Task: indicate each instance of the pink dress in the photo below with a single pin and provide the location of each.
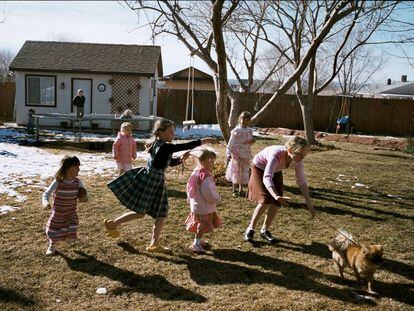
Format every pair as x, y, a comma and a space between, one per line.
203, 197
239, 148
124, 151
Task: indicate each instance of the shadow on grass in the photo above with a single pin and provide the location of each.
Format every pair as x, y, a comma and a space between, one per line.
398, 267
128, 248
315, 249
155, 285
347, 199
293, 276
10, 295
177, 194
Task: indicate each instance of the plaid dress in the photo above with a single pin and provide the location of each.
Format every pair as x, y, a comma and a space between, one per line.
143, 189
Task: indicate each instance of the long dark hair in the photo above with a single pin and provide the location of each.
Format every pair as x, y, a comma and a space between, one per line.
160, 125
66, 163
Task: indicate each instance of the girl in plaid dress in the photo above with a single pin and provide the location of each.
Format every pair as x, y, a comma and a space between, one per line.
143, 190
66, 191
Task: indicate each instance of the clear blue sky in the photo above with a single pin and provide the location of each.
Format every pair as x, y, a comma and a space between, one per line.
110, 22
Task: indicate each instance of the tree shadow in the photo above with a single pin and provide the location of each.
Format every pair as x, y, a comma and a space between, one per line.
335, 211
395, 156
398, 267
347, 199
128, 248
177, 194
206, 271
155, 285
10, 295
315, 249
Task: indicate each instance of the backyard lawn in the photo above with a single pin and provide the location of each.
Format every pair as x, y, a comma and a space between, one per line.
368, 192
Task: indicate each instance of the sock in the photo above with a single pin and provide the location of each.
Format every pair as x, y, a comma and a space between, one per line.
197, 241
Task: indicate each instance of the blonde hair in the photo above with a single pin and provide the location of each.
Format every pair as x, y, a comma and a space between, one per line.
126, 126
297, 143
203, 153
245, 115
65, 164
159, 125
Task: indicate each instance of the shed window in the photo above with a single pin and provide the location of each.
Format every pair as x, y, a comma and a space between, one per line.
40, 91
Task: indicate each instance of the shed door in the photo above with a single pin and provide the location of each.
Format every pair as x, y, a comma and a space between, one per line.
86, 86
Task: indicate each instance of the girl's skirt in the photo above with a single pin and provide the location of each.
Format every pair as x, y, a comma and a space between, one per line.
143, 191
257, 190
202, 223
238, 171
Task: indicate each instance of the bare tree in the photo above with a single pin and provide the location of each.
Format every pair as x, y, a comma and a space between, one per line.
6, 57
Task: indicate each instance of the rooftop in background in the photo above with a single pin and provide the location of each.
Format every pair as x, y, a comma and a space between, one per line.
88, 57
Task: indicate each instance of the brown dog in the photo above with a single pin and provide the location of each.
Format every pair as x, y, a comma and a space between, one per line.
363, 260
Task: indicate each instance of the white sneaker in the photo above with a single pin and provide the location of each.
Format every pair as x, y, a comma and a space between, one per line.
51, 250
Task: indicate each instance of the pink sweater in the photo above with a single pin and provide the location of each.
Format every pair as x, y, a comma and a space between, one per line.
202, 193
124, 148
272, 160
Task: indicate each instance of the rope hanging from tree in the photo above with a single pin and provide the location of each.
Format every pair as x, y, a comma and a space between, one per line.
187, 123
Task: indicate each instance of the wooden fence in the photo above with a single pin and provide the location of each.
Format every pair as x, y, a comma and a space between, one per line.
368, 115
7, 93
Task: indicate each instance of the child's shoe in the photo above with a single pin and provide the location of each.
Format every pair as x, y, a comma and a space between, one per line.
235, 193
198, 249
248, 235
51, 250
265, 234
113, 233
158, 249
242, 193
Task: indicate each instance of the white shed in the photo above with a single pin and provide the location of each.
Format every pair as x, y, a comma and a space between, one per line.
114, 77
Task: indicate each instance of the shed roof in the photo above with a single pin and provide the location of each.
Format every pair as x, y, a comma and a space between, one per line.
88, 57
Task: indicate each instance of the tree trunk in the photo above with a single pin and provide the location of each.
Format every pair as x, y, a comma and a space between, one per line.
234, 109
220, 78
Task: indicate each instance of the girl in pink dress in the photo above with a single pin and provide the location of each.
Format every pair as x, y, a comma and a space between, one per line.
124, 148
66, 191
203, 197
238, 154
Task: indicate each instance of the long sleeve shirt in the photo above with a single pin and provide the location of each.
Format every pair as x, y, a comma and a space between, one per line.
272, 160
202, 192
124, 148
53, 186
163, 151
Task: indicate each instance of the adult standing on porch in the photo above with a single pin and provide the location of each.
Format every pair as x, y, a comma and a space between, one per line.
79, 103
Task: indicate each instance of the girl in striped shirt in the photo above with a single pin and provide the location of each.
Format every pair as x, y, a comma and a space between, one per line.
66, 190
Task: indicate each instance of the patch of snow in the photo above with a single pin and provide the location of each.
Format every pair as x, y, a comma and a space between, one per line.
7, 208
359, 185
394, 196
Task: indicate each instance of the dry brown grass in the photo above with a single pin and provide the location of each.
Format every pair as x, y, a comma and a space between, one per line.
297, 273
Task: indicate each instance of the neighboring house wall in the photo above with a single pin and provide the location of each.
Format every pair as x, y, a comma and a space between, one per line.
183, 85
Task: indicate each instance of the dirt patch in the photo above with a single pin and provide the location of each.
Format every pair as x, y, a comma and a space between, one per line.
379, 142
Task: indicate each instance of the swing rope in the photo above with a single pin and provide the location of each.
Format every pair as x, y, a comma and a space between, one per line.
190, 84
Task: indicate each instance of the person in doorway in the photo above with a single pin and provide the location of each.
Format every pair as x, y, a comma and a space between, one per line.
79, 103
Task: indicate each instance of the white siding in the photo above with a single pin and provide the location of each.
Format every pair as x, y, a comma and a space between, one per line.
100, 100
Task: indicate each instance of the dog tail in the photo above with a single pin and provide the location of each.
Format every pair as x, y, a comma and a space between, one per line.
342, 241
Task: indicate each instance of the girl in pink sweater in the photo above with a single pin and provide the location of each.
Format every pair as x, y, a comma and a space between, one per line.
203, 197
124, 148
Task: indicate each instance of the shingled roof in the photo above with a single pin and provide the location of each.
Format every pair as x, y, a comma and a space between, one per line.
88, 57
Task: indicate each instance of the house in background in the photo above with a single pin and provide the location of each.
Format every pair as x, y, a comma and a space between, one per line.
179, 80
403, 89
114, 77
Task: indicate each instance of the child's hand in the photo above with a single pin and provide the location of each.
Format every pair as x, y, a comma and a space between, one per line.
283, 200
82, 195
185, 156
46, 206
